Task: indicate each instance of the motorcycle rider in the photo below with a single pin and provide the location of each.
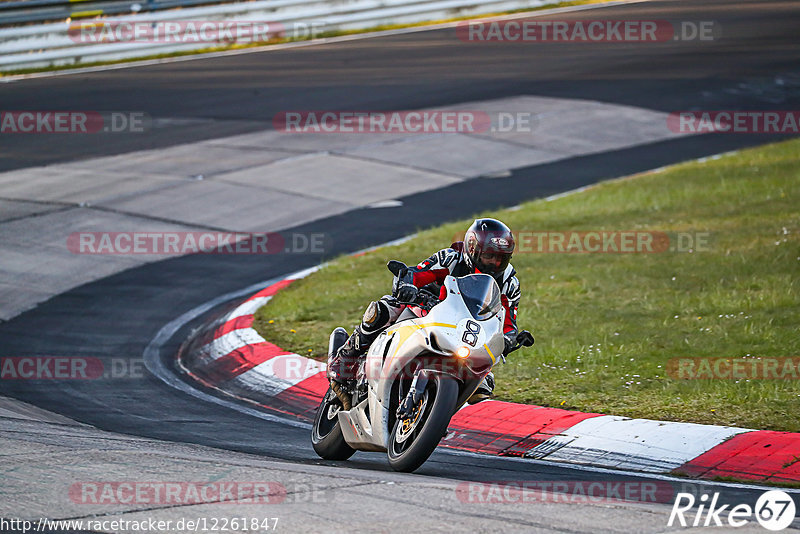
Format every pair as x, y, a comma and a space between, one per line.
487, 248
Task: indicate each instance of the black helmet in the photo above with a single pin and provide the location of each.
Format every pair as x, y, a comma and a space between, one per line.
488, 245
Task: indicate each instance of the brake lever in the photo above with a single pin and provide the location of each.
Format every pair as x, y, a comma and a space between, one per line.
424, 306
417, 304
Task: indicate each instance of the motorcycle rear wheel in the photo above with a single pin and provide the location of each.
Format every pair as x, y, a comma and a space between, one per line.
326, 434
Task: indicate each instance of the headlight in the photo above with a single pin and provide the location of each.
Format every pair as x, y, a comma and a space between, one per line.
462, 352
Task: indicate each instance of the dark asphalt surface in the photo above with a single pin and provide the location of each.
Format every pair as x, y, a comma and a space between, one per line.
116, 317
229, 95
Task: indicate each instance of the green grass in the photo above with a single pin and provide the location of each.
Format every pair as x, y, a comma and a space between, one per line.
323, 35
607, 324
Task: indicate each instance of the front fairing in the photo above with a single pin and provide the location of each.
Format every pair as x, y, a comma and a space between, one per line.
437, 336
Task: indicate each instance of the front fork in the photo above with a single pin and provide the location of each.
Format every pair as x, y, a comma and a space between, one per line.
418, 385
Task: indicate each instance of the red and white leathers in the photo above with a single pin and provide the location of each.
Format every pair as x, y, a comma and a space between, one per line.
452, 261
430, 272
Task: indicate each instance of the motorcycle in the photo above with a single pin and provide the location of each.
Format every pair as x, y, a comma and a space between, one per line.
416, 373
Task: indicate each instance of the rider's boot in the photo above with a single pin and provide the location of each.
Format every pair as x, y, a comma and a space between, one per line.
342, 365
484, 390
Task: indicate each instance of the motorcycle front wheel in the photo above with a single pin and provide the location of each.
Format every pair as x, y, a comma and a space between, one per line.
326, 434
414, 439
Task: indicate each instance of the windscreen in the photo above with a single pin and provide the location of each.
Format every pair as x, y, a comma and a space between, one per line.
481, 295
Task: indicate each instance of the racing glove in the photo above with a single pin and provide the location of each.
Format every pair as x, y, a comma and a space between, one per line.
407, 292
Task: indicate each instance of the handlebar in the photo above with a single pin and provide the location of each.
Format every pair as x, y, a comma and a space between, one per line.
426, 300
399, 269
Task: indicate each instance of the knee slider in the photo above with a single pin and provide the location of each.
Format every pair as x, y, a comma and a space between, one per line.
375, 317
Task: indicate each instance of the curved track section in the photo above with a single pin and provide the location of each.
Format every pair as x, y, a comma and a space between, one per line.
230, 357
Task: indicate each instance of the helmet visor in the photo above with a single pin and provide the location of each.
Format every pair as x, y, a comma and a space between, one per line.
493, 261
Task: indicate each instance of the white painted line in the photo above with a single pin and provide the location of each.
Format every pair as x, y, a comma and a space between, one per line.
305, 272
567, 193
233, 340
392, 203
248, 307
716, 156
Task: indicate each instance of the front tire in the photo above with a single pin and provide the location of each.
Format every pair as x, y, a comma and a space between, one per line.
326, 434
411, 443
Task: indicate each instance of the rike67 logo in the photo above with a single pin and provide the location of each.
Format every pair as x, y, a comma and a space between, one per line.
774, 510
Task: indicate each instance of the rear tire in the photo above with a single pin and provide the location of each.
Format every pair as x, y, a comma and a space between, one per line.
439, 406
326, 434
